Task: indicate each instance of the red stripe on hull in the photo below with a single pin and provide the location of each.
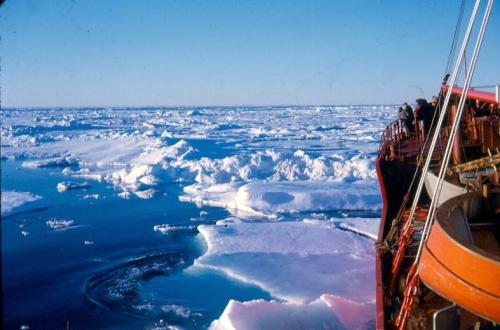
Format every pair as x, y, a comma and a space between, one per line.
379, 283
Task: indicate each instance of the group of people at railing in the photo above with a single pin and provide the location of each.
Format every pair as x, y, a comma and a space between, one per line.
415, 124
420, 117
482, 109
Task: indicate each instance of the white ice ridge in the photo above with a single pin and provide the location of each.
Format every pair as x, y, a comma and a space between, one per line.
139, 165
296, 262
270, 198
14, 199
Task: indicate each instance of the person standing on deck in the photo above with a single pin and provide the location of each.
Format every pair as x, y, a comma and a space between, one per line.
409, 115
429, 109
424, 113
403, 119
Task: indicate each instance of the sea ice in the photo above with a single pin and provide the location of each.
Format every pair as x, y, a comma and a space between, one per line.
14, 199
271, 161
132, 152
322, 275
321, 258
67, 186
327, 312
269, 198
166, 228
363, 226
60, 224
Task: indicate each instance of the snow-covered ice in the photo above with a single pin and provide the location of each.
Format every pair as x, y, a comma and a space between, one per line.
270, 198
14, 199
138, 150
327, 312
316, 270
319, 256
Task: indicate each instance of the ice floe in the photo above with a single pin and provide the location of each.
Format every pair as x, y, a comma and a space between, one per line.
319, 256
67, 186
166, 228
14, 199
327, 312
270, 198
60, 224
321, 274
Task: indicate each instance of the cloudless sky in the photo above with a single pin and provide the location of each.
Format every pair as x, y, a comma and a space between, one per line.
133, 52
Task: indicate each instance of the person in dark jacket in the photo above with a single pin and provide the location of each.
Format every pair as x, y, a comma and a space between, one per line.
428, 117
409, 116
403, 118
424, 113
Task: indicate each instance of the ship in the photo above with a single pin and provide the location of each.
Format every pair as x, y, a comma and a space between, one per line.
438, 246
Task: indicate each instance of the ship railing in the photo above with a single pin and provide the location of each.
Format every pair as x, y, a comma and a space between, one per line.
395, 136
397, 143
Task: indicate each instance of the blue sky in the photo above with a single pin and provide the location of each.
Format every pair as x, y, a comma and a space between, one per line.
133, 53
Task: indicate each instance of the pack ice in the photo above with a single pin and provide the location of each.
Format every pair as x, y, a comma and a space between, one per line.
260, 163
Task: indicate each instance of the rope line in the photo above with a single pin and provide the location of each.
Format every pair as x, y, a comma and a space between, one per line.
451, 55
443, 113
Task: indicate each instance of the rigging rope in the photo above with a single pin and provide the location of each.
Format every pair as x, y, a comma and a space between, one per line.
443, 113
412, 280
454, 129
406, 232
451, 55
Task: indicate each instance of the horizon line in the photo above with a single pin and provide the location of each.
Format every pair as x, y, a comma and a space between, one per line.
193, 106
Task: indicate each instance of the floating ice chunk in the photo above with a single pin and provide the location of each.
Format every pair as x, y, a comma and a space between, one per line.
89, 176
24, 233
93, 196
124, 195
145, 194
166, 228
67, 186
13, 199
181, 311
61, 162
363, 226
88, 242
60, 224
